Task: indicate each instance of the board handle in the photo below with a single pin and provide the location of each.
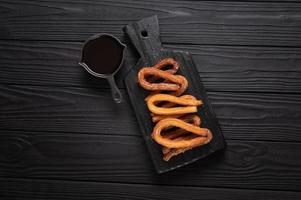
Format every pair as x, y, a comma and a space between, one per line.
145, 36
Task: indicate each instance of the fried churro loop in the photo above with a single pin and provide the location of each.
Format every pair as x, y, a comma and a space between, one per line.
183, 86
180, 134
177, 129
204, 134
165, 63
191, 118
169, 153
176, 81
189, 105
182, 81
157, 118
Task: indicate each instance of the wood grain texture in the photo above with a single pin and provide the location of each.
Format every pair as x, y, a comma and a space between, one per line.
193, 22
54, 189
231, 68
246, 116
51, 63
57, 122
245, 164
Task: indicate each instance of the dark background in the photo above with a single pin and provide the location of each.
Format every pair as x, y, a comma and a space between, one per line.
62, 137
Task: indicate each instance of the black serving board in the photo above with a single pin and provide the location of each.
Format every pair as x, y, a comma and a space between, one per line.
145, 37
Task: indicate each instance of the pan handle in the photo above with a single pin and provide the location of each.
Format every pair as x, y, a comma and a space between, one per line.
116, 94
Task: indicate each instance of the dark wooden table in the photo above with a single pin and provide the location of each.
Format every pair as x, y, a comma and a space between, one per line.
62, 137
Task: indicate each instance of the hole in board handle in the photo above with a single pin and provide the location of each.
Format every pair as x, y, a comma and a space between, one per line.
144, 33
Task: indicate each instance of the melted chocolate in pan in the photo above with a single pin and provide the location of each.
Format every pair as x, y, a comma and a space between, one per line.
103, 55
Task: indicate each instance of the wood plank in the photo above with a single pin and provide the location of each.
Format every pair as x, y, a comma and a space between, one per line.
51, 63
244, 164
231, 68
216, 22
54, 189
240, 68
245, 116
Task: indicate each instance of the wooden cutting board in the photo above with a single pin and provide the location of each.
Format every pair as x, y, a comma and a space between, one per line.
145, 37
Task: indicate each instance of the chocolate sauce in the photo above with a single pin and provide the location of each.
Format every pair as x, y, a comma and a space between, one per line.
103, 55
